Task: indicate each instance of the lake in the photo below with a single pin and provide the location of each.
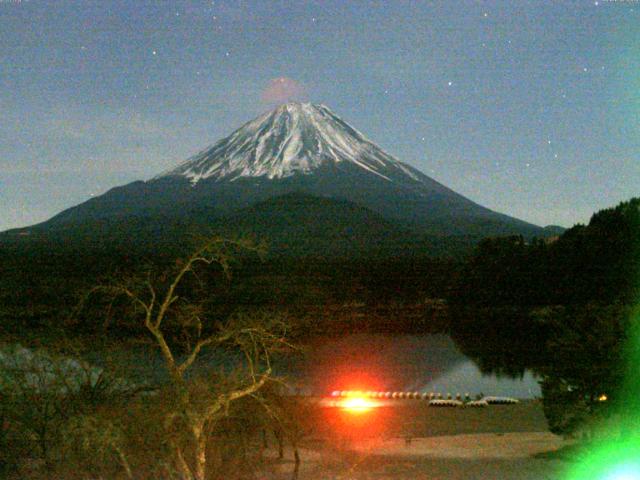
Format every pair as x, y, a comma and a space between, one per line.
380, 362
425, 363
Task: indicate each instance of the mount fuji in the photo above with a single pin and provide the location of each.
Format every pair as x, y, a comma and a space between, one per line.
287, 168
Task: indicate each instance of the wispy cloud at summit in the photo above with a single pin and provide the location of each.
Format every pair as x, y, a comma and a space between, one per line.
283, 89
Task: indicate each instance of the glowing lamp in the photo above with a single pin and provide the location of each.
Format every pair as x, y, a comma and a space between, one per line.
357, 405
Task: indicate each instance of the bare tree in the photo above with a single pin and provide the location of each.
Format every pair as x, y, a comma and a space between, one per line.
168, 312
289, 419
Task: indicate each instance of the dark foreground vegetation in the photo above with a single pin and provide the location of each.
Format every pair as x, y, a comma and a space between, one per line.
66, 418
563, 308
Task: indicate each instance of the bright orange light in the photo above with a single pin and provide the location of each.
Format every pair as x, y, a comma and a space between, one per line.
357, 404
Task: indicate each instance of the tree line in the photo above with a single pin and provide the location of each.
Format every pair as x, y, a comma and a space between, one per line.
563, 308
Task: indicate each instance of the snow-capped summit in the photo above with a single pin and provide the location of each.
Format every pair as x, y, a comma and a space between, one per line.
293, 138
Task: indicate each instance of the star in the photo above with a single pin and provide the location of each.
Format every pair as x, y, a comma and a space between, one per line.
549, 142
527, 165
485, 15
555, 155
585, 69
313, 19
227, 54
449, 83
154, 52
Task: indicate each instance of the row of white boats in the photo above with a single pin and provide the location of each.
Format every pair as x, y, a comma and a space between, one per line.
435, 399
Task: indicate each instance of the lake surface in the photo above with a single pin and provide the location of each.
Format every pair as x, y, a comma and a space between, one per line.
425, 363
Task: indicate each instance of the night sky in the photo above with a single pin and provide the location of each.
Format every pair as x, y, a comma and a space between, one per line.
528, 108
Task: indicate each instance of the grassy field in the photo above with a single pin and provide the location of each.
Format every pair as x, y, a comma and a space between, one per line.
416, 418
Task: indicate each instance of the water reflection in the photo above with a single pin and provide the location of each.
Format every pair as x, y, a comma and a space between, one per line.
378, 362
398, 362
467, 378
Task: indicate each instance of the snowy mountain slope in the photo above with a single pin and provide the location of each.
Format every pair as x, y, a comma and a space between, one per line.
293, 138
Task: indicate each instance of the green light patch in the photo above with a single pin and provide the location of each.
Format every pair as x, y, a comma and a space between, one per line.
617, 460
